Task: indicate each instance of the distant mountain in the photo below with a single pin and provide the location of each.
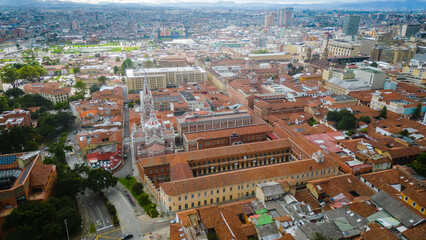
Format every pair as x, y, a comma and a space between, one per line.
376, 5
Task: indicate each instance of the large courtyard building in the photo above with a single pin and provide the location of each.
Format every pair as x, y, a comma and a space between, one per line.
198, 178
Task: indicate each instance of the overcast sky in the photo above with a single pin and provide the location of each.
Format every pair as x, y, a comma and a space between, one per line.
237, 1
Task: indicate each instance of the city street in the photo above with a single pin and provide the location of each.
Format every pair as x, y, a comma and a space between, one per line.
141, 225
98, 213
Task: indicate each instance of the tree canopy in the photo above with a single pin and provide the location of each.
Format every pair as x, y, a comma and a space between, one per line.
344, 119
417, 112
384, 113
420, 164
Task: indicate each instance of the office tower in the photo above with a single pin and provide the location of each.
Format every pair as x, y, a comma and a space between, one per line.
409, 30
288, 16
285, 17
280, 20
350, 25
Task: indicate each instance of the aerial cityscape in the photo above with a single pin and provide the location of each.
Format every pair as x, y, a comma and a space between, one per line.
214, 120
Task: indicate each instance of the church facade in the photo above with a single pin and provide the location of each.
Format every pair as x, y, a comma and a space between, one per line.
151, 138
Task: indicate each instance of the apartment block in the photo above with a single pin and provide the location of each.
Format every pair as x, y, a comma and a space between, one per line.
163, 77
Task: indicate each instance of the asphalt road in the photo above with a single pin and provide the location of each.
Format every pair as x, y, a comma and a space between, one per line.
127, 168
128, 220
97, 211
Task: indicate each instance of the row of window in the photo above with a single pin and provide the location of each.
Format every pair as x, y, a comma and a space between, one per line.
246, 186
239, 158
414, 204
211, 201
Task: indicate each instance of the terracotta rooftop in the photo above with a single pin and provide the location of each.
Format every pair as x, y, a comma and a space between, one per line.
243, 175
228, 132
378, 232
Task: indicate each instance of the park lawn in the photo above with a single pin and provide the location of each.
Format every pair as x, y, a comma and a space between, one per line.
127, 183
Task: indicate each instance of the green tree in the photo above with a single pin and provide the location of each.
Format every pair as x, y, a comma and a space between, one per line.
61, 105
365, 119
137, 188
76, 70
81, 86
94, 88
9, 74
417, 112
99, 179
347, 123
420, 164
28, 72
404, 133
117, 59
116, 70
4, 106
43, 220
14, 92
319, 236
374, 64
102, 80
19, 139
312, 121
127, 64
384, 113
364, 130
69, 182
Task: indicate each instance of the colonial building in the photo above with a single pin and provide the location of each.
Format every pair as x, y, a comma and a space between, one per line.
198, 178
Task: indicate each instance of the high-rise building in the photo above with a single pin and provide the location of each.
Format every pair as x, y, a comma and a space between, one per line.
351, 25
270, 20
409, 30
288, 16
285, 17
280, 19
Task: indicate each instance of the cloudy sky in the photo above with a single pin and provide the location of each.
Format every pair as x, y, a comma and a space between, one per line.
237, 1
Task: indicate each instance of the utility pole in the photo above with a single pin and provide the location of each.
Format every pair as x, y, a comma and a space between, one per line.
66, 227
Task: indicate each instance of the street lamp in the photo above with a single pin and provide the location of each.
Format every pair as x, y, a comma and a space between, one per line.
66, 227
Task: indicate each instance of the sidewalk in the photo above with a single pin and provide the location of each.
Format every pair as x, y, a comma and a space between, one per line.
138, 210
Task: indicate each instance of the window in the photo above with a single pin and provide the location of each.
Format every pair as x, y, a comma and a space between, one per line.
192, 204
217, 199
170, 208
186, 205
186, 197
205, 194
179, 199
406, 199
192, 196
211, 200
414, 204
217, 191
230, 197
223, 190
230, 189
223, 198
422, 210
180, 207
205, 202
170, 199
